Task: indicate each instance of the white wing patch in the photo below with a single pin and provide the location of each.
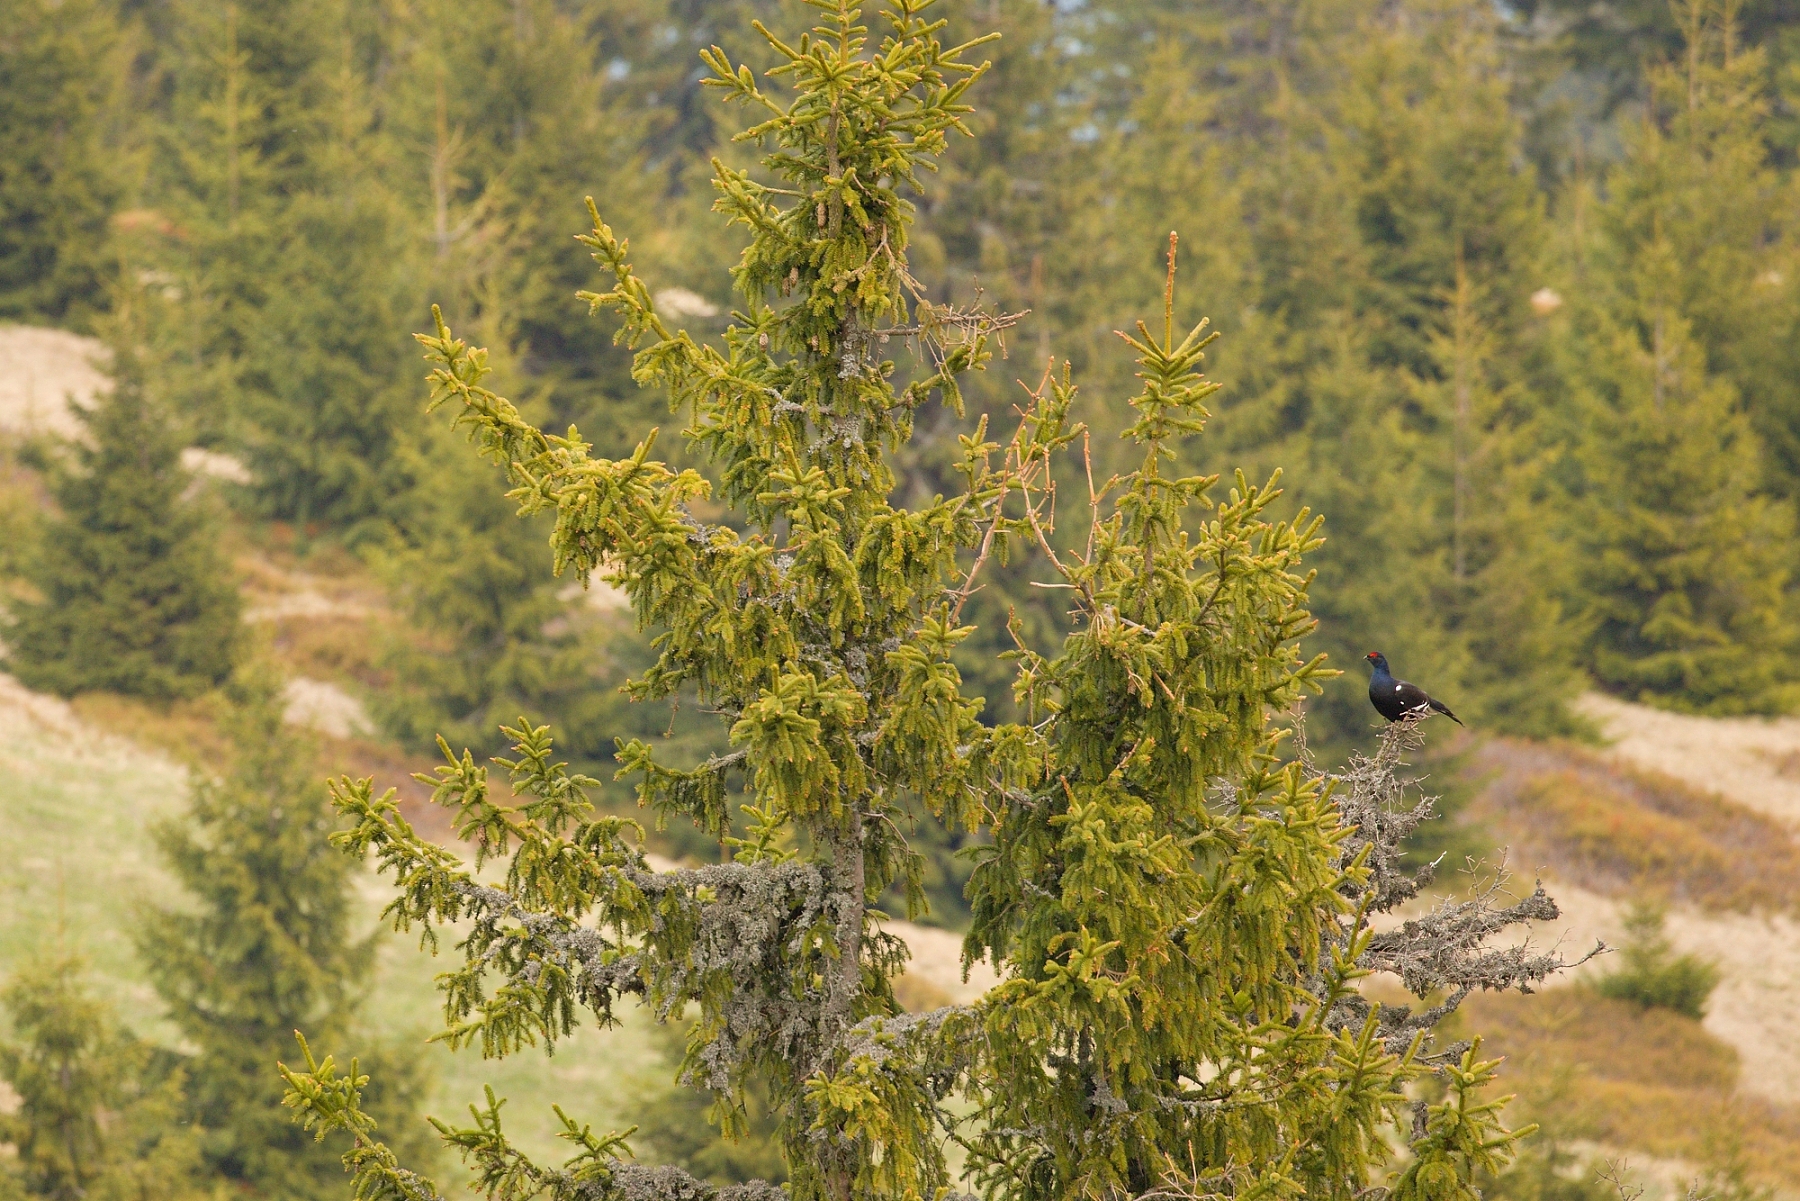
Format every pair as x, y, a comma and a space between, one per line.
1396, 688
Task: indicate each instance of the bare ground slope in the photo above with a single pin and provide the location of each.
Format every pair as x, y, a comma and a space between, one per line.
1747, 762
1754, 761
41, 371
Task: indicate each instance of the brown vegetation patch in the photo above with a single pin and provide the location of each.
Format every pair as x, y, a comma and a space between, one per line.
187, 731
1626, 832
1643, 1080
191, 732
331, 648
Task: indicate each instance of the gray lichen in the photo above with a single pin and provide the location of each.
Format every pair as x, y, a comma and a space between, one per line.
1449, 948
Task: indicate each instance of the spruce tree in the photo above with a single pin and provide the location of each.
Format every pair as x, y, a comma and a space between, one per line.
1685, 555
1179, 912
266, 943
1506, 581
489, 633
322, 390
230, 136
287, 250
508, 113
63, 69
96, 1116
133, 593
1422, 434
1729, 219
1685, 563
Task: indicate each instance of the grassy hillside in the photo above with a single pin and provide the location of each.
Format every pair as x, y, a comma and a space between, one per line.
78, 803
1647, 1083
1644, 819
76, 808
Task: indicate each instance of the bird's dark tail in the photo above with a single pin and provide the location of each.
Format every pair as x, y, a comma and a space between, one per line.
1441, 707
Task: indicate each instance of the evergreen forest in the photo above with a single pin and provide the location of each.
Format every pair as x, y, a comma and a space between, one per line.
749, 507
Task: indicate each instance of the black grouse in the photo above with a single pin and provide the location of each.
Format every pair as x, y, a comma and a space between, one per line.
1394, 699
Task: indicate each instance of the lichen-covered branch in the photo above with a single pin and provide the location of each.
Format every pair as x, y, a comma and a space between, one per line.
1448, 950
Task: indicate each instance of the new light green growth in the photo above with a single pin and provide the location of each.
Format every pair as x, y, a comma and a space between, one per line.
1180, 913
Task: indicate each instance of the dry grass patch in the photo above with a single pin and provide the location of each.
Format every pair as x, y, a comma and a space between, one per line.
1612, 1040
187, 731
192, 733
919, 995
1785, 763
1643, 1080
331, 648
1622, 831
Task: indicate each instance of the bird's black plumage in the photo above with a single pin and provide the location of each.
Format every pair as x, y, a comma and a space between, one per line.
1395, 699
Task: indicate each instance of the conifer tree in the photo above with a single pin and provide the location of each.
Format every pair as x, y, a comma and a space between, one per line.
1166, 164
489, 633
1506, 580
1431, 162
1436, 517
1701, 169
286, 249
1685, 556
1179, 912
1684, 563
133, 594
95, 1116
322, 390
63, 67
267, 944
231, 135
503, 115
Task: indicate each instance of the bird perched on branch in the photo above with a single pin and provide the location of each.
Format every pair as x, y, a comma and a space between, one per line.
1395, 699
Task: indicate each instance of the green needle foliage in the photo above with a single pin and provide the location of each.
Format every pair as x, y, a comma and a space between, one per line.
489, 634
96, 1116
1687, 559
133, 595
63, 67
1179, 913
264, 945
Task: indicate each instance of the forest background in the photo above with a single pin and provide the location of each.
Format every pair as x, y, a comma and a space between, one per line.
1512, 293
